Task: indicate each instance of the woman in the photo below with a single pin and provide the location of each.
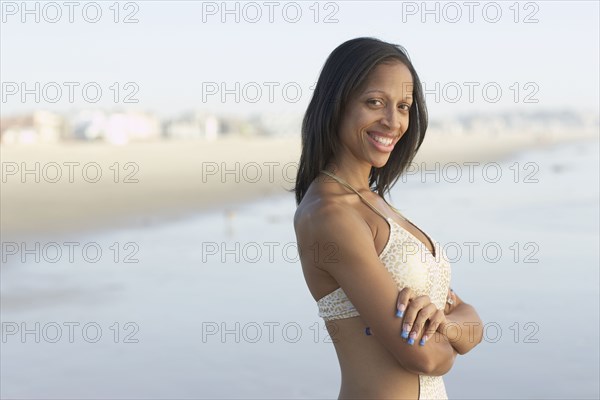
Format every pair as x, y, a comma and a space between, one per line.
378, 280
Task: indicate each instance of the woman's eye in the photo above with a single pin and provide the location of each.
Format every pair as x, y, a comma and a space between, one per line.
405, 107
374, 102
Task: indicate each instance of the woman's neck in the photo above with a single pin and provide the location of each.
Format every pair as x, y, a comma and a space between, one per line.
355, 176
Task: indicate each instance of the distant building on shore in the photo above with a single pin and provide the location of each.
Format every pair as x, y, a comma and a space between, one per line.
205, 125
117, 128
192, 125
38, 127
280, 124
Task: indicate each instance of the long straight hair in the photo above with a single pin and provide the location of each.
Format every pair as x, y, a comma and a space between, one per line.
346, 68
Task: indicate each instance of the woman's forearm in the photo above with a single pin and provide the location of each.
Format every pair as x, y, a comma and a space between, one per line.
464, 328
444, 357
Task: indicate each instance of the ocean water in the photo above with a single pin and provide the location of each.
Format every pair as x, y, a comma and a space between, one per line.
216, 306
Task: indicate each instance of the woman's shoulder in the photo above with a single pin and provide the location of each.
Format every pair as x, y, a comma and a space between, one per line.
320, 209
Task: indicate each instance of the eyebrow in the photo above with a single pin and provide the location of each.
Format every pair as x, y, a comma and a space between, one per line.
408, 95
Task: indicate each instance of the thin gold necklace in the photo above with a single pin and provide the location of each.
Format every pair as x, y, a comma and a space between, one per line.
331, 174
343, 182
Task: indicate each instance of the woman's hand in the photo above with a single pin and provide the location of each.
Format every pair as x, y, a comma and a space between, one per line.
421, 317
454, 301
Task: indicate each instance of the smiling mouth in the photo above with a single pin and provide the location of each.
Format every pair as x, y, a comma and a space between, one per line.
386, 141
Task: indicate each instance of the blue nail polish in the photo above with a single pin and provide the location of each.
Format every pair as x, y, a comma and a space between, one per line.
405, 334
368, 331
399, 313
411, 341
422, 342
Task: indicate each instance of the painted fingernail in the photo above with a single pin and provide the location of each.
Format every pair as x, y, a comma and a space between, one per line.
412, 337
400, 312
368, 331
405, 331
423, 340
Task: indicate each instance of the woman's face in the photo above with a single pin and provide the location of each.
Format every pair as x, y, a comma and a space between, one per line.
376, 116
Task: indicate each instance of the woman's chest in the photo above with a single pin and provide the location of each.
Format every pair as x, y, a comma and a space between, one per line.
412, 265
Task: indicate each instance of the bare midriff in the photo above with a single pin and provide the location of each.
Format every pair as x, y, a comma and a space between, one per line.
368, 369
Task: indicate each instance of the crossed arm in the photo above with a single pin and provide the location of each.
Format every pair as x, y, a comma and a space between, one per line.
463, 327
454, 330
459, 331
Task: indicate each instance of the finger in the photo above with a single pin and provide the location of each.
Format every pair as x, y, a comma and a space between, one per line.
427, 332
413, 308
450, 303
432, 326
403, 298
447, 308
424, 314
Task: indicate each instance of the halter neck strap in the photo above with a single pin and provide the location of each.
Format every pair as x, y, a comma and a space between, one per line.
346, 184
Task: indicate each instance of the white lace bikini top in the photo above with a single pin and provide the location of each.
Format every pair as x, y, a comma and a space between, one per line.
408, 261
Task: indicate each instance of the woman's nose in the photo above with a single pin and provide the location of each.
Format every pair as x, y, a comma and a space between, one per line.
392, 120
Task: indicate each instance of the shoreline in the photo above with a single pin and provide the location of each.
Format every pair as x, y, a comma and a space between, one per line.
176, 180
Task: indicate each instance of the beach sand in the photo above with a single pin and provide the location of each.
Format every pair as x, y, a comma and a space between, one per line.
145, 183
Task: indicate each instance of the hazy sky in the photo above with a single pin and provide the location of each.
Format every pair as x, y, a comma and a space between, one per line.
179, 53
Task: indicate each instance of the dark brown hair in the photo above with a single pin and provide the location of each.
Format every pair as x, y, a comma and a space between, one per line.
346, 68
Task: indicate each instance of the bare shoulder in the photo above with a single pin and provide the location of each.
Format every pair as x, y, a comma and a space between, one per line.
329, 221
322, 213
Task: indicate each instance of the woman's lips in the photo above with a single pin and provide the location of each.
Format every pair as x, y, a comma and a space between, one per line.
384, 148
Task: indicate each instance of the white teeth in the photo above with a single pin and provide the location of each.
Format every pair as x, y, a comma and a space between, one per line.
384, 141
